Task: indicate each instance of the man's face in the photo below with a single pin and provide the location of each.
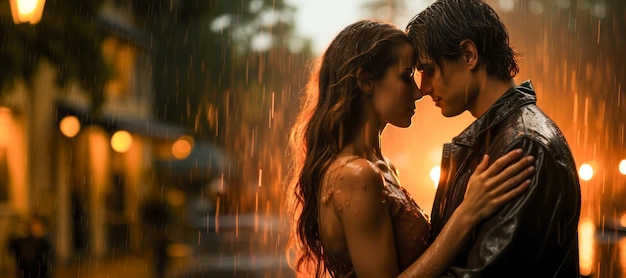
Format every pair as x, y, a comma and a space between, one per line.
451, 86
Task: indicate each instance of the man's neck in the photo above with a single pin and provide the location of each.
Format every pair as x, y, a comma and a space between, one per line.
491, 89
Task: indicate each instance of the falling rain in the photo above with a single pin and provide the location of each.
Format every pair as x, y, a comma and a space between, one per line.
148, 138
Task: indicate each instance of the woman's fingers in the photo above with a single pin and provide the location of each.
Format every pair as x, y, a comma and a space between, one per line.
514, 169
501, 162
483, 165
509, 195
513, 182
491, 186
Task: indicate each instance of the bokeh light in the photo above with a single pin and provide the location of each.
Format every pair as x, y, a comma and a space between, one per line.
622, 167
121, 141
69, 126
182, 147
435, 172
27, 10
586, 230
26, 6
585, 172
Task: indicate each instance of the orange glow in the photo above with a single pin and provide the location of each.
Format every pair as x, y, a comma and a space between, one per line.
586, 230
14, 147
435, 172
622, 166
622, 252
622, 220
27, 10
585, 172
121, 141
70, 126
5, 125
176, 197
178, 250
182, 147
415, 150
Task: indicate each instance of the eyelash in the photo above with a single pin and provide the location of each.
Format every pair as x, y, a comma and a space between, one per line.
426, 71
408, 75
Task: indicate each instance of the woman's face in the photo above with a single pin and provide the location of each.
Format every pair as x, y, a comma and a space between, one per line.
395, 94
455, 90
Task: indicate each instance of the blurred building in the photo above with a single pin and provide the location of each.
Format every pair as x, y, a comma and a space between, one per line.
90, 172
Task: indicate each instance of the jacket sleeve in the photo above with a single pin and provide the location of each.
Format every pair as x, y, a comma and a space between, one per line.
536, 231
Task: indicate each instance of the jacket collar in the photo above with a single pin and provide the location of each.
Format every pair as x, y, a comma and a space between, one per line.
511, 101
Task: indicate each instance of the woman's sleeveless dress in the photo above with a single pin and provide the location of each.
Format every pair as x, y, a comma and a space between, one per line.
411, 226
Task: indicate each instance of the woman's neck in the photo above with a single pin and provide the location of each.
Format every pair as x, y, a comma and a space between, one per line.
366, 142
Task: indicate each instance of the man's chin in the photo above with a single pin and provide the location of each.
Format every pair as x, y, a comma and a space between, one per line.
450, 114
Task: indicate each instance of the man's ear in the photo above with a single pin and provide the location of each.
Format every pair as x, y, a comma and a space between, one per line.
365, 85
469, 53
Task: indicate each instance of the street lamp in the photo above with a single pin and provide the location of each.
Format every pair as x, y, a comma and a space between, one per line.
26, 10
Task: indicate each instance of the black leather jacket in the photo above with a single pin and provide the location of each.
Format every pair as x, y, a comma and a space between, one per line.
536, 234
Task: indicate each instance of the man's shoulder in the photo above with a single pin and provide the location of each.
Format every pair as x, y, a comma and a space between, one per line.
530, 123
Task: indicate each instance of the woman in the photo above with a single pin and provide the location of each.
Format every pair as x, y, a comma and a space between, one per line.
353, 219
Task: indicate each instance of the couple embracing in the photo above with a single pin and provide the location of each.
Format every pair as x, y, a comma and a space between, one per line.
508, 201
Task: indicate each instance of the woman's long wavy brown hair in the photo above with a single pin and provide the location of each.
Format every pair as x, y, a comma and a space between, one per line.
330, 108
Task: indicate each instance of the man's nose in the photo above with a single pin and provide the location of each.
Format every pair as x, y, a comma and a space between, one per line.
426, 87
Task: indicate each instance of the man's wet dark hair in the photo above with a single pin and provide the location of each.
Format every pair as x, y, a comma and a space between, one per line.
439, 30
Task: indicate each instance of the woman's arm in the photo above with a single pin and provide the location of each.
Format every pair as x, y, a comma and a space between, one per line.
488, 189
538, 229
359, 203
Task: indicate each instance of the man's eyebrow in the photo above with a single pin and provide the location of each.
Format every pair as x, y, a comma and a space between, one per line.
420, 62
420, 66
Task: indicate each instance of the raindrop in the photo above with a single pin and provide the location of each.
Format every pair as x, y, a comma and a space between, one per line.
327, 197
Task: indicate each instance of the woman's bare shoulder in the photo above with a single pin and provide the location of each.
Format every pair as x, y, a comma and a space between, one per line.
358, 171
358, 187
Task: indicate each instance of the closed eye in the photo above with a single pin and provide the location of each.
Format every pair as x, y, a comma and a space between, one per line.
426, 70
408, 74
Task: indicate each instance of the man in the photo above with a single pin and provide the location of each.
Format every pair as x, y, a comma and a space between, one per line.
467, 64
